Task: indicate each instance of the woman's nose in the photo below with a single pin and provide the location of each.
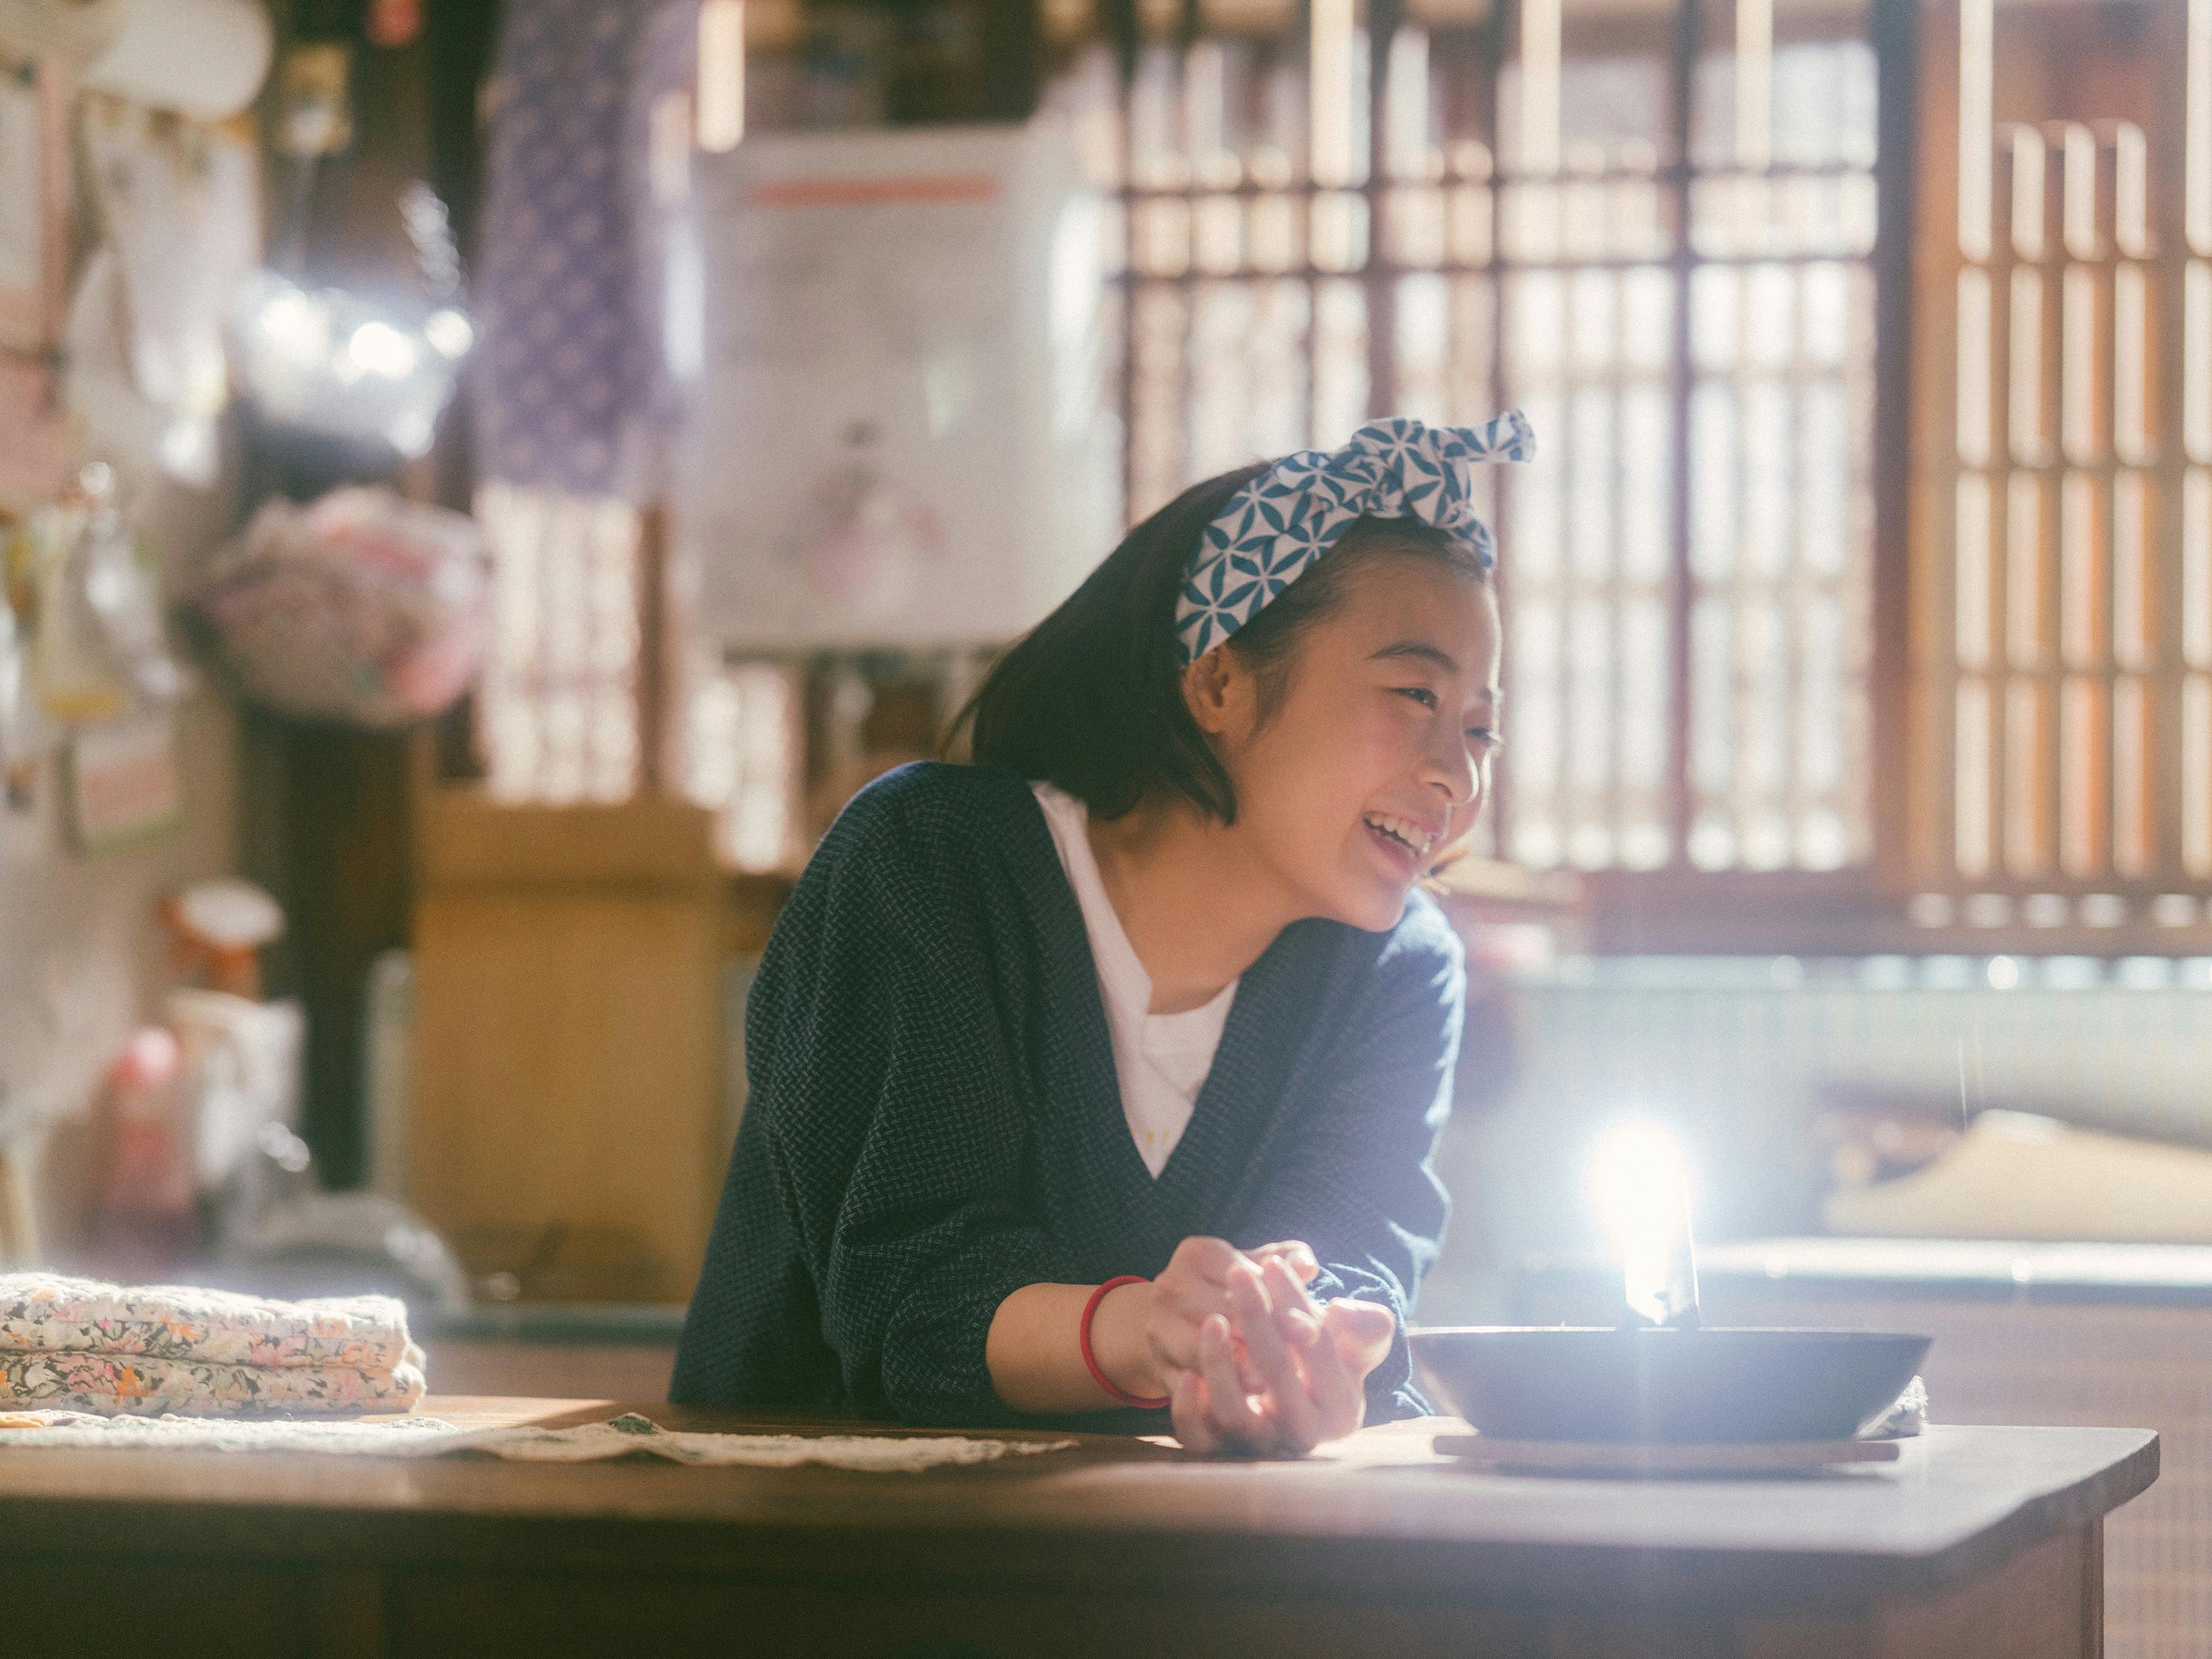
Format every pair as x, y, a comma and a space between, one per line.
1457, 773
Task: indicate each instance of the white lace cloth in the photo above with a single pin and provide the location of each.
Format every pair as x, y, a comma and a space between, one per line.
627, 1436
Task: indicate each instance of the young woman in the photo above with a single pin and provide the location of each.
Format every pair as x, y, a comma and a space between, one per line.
1100, 1077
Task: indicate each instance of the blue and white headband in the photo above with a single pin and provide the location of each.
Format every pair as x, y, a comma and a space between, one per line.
1279, 524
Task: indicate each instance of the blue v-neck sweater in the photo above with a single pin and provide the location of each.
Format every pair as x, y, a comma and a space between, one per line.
934, 1119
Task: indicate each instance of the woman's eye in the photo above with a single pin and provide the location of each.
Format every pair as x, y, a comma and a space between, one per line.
1419, 693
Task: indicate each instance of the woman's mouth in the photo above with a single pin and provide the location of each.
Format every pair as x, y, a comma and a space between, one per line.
1401, 840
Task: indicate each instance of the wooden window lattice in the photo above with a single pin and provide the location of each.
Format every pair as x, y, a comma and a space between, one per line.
1659, 234
1660, 243
2072, 701
558, 708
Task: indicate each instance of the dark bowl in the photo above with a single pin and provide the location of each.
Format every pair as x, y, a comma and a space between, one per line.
1569, 1384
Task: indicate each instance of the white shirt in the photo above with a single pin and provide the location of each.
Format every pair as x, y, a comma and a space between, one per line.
1161, 1060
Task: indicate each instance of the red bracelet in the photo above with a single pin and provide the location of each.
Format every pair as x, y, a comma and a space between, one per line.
1119, 1396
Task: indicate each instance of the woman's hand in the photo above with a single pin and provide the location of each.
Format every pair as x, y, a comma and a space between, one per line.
1145, 1334
1303, 1375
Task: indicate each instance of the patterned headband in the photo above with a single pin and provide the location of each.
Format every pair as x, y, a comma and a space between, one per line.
1277, 524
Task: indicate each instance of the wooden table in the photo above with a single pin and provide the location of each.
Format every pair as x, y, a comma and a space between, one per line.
1981, 1543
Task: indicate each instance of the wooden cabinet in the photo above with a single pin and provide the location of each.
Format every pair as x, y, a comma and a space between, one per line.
567, 1108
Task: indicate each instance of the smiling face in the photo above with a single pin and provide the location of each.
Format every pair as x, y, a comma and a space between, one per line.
1376, 754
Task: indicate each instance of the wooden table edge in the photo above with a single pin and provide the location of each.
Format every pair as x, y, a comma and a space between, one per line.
791, 1549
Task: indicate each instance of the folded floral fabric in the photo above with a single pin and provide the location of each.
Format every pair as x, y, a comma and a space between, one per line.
47, 1313
111, 1384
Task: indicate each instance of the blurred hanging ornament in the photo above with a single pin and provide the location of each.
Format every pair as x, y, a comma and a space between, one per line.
344, 365
360, 609
394, 22
99, 649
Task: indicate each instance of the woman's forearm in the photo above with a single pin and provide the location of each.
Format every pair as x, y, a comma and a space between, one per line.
1034, 1350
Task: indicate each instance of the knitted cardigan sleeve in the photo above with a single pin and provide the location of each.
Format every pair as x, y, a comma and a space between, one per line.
895, 1118
1355, 1179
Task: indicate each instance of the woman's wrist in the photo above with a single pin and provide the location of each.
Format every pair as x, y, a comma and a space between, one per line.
1119, 1342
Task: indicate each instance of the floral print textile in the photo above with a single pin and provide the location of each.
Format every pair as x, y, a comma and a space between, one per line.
90, 1347
47, 1313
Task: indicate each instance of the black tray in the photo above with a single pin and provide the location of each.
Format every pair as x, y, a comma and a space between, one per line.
1566, 1383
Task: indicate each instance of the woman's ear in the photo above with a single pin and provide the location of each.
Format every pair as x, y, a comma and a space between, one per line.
1213, 688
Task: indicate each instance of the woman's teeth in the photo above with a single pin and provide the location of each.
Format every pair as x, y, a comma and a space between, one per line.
1414, 839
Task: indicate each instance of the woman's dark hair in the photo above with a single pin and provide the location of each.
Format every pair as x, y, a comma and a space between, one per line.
1090, 699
